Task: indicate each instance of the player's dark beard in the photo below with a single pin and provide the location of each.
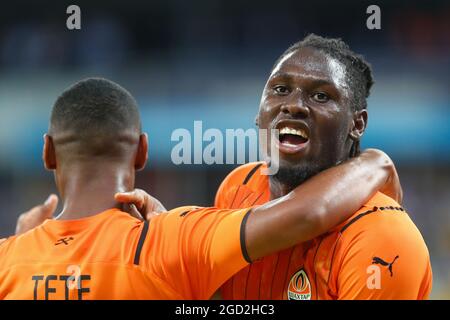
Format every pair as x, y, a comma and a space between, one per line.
292, 176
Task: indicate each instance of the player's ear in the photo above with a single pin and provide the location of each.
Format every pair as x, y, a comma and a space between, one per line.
359, 124
48, 153
142, 152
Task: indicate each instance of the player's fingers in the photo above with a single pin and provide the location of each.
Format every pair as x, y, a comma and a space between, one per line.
135, 197
133, 211
147, 205
49, 207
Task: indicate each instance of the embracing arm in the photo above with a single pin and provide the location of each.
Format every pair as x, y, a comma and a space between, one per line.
318, 204
311, 209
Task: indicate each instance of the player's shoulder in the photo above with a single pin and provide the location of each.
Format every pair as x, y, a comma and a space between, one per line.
250, 175
246, 173
239, 185
181, 211
196, 211
6, 242
378, 235
13, 241
18, 247
11, 246
177, 215
380, 209
382, 220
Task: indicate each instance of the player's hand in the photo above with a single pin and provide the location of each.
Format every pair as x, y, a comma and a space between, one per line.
392, 187
141, 203
37, 215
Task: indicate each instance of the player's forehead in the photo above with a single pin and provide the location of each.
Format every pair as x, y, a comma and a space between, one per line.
311, 64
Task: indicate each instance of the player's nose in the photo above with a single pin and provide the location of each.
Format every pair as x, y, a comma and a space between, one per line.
296, 107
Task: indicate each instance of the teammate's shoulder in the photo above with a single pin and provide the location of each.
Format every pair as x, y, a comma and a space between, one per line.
7, 246
246, 173
21, 241
5, 241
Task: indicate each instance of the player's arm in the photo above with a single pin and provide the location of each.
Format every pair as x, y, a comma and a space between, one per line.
317, 205
209, 245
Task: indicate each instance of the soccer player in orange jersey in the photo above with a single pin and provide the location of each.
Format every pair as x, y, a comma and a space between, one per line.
316, 97
94, 250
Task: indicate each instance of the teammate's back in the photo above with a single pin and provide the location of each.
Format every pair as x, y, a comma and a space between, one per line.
88, 258
112, 255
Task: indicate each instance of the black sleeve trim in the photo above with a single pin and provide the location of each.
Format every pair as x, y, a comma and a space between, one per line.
184, 213
142, 237
251, 173
375, 209
243, 245
359, 216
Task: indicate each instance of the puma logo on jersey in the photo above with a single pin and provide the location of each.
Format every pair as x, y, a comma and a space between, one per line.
376, 260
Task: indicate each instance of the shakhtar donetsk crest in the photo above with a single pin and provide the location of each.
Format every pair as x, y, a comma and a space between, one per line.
299, 287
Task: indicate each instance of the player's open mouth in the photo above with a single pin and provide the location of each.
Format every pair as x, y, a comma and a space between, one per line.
292, 136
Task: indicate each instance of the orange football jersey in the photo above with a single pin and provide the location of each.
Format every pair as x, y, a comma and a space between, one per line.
378, 253
187, 253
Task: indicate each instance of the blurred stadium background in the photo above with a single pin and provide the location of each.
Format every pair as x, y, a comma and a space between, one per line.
208, 60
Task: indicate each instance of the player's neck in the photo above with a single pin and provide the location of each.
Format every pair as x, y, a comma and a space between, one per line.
278, 189
89, 190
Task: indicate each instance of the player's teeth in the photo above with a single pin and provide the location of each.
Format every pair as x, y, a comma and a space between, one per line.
298, 132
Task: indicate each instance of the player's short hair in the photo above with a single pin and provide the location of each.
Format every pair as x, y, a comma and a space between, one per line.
359, 71
94, 112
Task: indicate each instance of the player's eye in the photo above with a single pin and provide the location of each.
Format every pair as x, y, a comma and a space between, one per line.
320, 97
281, 90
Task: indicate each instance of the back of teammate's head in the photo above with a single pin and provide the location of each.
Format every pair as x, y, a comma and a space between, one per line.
95, 120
